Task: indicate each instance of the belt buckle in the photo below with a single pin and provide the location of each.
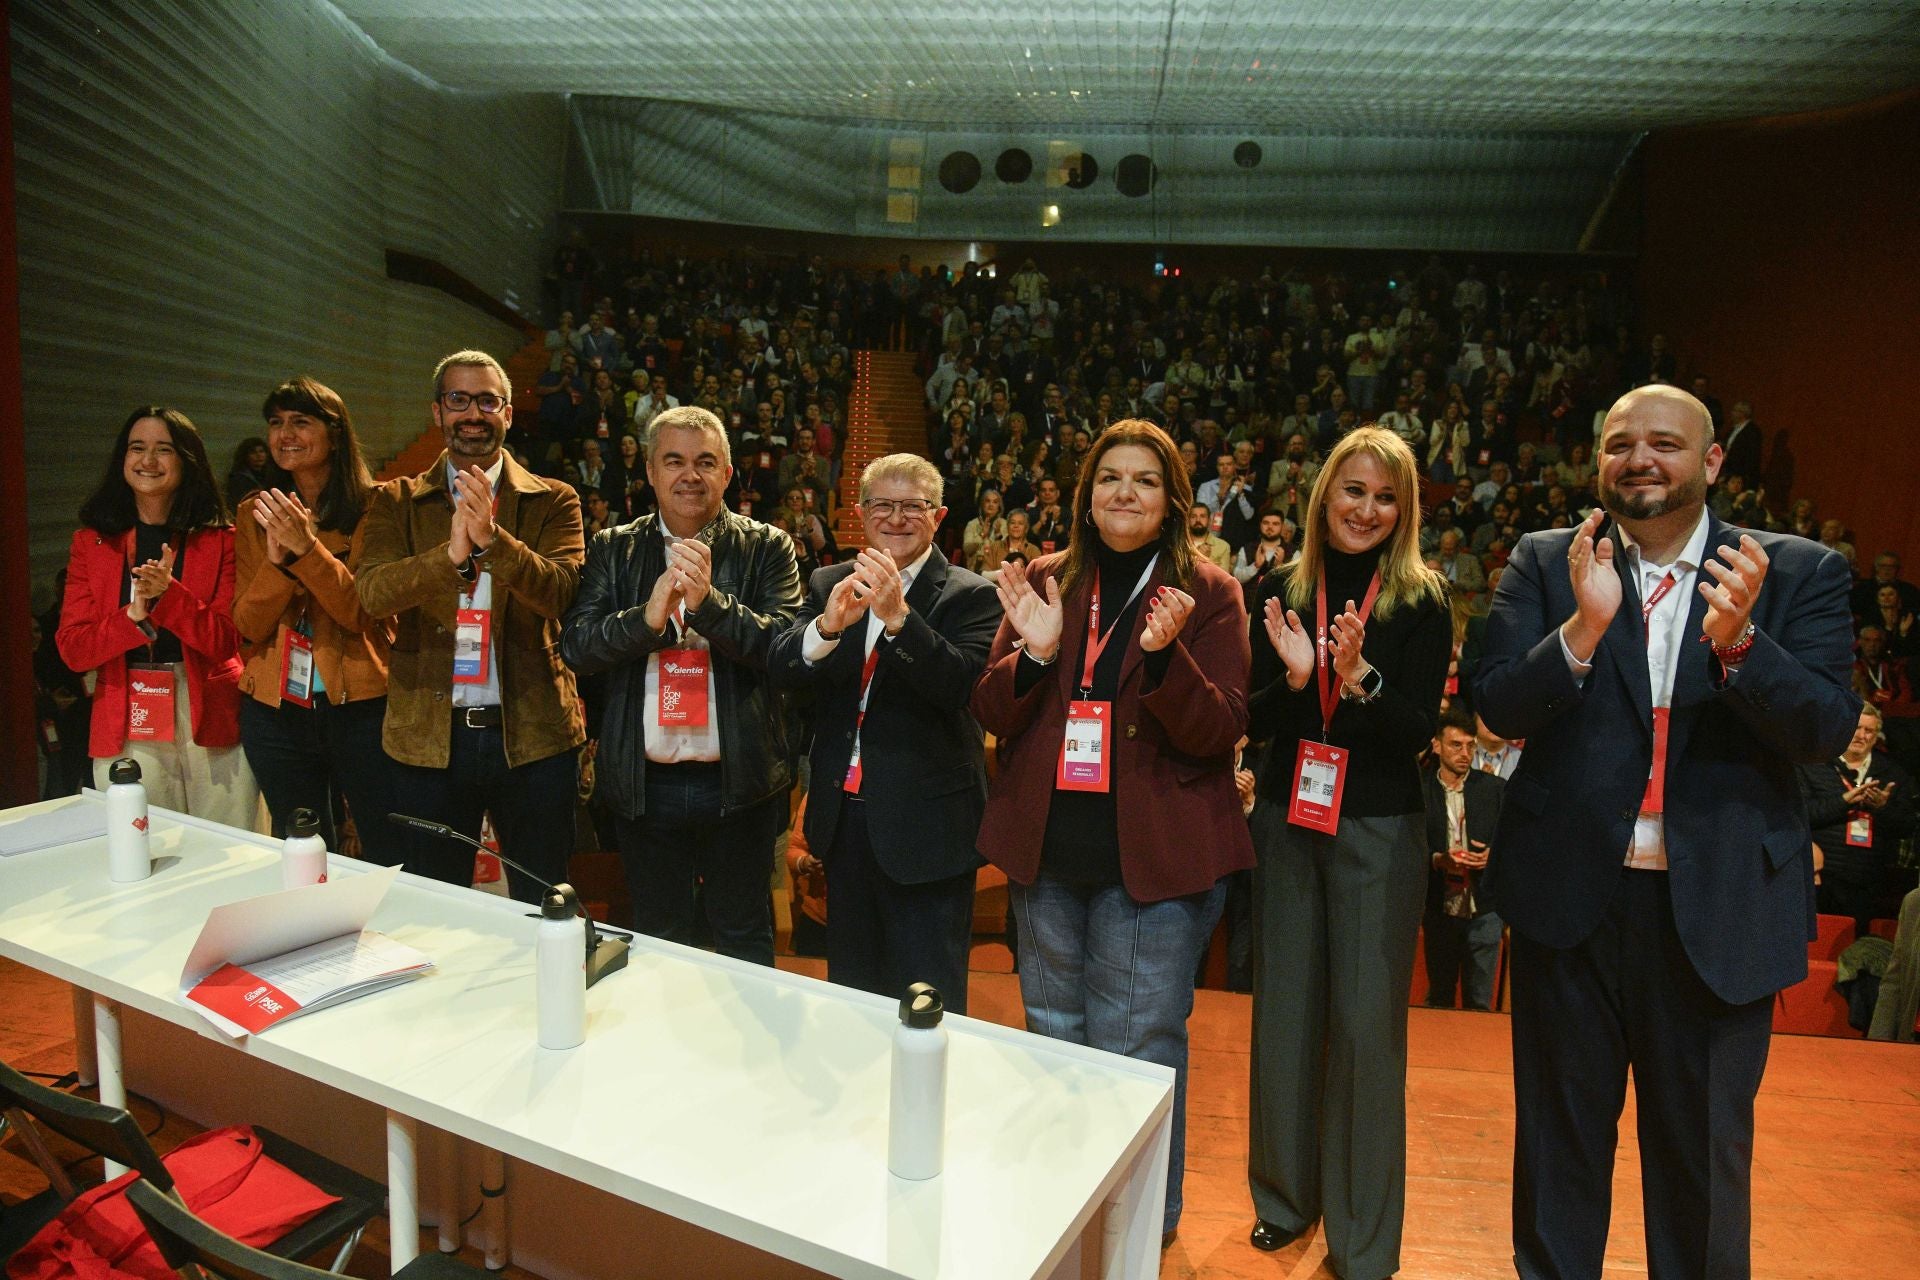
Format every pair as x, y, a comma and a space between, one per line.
467, 715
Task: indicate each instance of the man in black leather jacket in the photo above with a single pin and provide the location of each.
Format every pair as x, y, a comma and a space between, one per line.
680, 611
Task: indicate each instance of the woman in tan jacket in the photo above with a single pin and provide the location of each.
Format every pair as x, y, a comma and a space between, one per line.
316, 663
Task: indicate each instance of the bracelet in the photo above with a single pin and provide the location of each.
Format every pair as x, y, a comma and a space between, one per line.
1039, 661
828, 635
1734, 654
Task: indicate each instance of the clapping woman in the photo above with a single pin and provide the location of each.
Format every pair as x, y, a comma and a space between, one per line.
1116, 688
1352, 641
316, 673
149, 605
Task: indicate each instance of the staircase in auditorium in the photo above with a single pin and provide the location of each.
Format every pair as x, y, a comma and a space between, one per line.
886, 413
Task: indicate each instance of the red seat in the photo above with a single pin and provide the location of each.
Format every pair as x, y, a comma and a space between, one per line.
1814, 1005
1836, 935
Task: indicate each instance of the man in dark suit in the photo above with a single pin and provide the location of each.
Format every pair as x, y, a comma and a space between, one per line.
891, 644
1743, 444
1652, 859
1460, 931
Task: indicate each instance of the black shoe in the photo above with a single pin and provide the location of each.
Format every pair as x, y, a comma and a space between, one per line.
1268, 1236
1166, 1239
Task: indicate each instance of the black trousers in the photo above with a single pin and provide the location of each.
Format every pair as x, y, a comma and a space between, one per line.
312, 757
1625, 997
884, 936
531, 804
682, 841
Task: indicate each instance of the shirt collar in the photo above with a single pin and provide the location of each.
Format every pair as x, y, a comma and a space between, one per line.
912, 571
1690, 555
493, 472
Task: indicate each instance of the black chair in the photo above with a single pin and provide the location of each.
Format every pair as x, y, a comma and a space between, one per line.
185, 1241
113, 1134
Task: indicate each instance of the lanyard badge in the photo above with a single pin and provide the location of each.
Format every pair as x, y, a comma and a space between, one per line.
150, 694
683, 688
1086, 751
296, 669
472, 645
1319, 768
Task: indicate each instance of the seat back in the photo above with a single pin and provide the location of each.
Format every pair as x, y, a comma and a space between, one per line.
185, 1241
106, 1131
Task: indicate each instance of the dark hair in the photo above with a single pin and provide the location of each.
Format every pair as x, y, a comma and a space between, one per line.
197, 504
349, 483
244, 448
1458, 715
1174, 541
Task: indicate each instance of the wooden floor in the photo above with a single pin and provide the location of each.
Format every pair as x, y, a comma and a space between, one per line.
1836, 1164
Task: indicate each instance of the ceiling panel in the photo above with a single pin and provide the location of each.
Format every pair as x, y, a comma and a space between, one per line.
1512, 65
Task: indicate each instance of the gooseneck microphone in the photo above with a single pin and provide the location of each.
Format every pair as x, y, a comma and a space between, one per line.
605, 953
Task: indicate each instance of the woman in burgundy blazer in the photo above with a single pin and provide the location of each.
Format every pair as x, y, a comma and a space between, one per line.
150, 584
1116, 889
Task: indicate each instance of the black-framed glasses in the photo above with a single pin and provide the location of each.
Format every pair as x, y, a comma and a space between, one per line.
887, 509
460, 401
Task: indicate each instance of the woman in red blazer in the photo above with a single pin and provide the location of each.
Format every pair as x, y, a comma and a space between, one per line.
149, 606
1117, 690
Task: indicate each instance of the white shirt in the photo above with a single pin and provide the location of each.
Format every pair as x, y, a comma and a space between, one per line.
1500, 764
488, 694
679, 743
1666, 628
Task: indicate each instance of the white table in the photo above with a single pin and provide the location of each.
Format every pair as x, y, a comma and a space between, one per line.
747, 1101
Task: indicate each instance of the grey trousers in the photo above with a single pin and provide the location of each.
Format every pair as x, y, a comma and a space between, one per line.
1335, 922
1899, 1002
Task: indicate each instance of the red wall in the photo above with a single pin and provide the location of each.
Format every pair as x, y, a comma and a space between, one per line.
1782, 259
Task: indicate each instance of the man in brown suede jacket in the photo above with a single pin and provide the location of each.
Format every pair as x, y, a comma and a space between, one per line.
476, 559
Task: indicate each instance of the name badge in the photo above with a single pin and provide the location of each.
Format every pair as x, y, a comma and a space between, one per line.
1486, 457
1860, 829
1084, 753
472, 645
1319, 780
851, 784
1655, 801
296, 670
149, 703
683, 688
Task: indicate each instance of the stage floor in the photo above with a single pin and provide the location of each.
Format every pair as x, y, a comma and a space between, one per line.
1836, 1163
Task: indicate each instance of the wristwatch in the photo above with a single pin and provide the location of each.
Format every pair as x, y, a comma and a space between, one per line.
1367, 690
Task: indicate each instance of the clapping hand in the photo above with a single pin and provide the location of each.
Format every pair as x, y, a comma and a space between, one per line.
1736, 585
1166, 615
690, 562
1596, 587
286, 522
472, 516
1290, 641
1037, 619
150, 582
1344, 638
880, 587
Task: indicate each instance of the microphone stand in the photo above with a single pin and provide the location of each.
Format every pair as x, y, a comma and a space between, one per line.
605, 953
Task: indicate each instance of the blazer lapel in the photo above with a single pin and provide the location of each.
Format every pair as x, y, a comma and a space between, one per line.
1134, 655
1626, 639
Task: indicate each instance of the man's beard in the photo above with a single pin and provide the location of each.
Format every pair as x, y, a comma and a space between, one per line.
460, 445
1639, 506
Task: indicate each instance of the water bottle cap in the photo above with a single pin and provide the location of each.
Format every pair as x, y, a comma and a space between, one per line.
305, 822
559, 904
922, 1007
125, 769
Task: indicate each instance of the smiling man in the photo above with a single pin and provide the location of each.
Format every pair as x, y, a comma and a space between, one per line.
680, 610
475, 559
891, 644
1668, 672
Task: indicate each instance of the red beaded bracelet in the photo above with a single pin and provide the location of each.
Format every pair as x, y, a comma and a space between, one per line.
1734, 654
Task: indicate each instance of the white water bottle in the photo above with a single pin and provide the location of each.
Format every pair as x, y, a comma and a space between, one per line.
128, 858
303, 858
917, 1111
560, 970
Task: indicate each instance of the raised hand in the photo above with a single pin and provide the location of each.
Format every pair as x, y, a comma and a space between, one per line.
691, 560
1291, 641
1166, 615
473, 506
1345, 635
1596, 587
1036, 619
661, 600
845, 606
881, 587
1731, 595
287, 523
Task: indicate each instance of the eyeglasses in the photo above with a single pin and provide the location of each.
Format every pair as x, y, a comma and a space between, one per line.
460, 401
884, 509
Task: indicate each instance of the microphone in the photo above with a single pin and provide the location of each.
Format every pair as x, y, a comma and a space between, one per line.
605, 953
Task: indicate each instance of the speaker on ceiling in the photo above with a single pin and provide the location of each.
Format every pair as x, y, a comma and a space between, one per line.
1014, 166
1135, 175
1247, 154
960, 172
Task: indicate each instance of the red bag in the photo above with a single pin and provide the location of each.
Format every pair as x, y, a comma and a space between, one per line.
226, 1180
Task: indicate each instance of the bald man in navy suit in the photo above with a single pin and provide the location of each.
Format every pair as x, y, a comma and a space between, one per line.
1667, 671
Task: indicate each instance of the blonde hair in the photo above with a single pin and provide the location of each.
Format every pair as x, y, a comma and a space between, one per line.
910, 467
1404, 578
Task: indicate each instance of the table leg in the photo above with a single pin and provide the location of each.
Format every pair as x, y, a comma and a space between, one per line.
448, 1210
86, 1067
1130, 1241
403, 1190
493, 1208
106, 1047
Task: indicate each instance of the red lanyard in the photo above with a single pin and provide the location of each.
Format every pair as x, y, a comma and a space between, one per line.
1329, 693
1097, 643
866, 679
1667, 584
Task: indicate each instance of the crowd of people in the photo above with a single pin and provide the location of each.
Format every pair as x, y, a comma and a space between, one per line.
1227, 480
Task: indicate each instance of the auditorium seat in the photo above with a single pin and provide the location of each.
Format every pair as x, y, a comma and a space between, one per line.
1835, 935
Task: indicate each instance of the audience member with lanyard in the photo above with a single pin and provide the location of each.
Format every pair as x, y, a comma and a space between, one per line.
149, 605
1348, 707
316, 671
1117, 689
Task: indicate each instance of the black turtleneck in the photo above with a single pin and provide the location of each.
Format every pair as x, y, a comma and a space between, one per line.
1082, 844
1410, 647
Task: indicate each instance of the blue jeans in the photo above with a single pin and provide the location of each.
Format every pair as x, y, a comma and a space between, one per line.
1099, 969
